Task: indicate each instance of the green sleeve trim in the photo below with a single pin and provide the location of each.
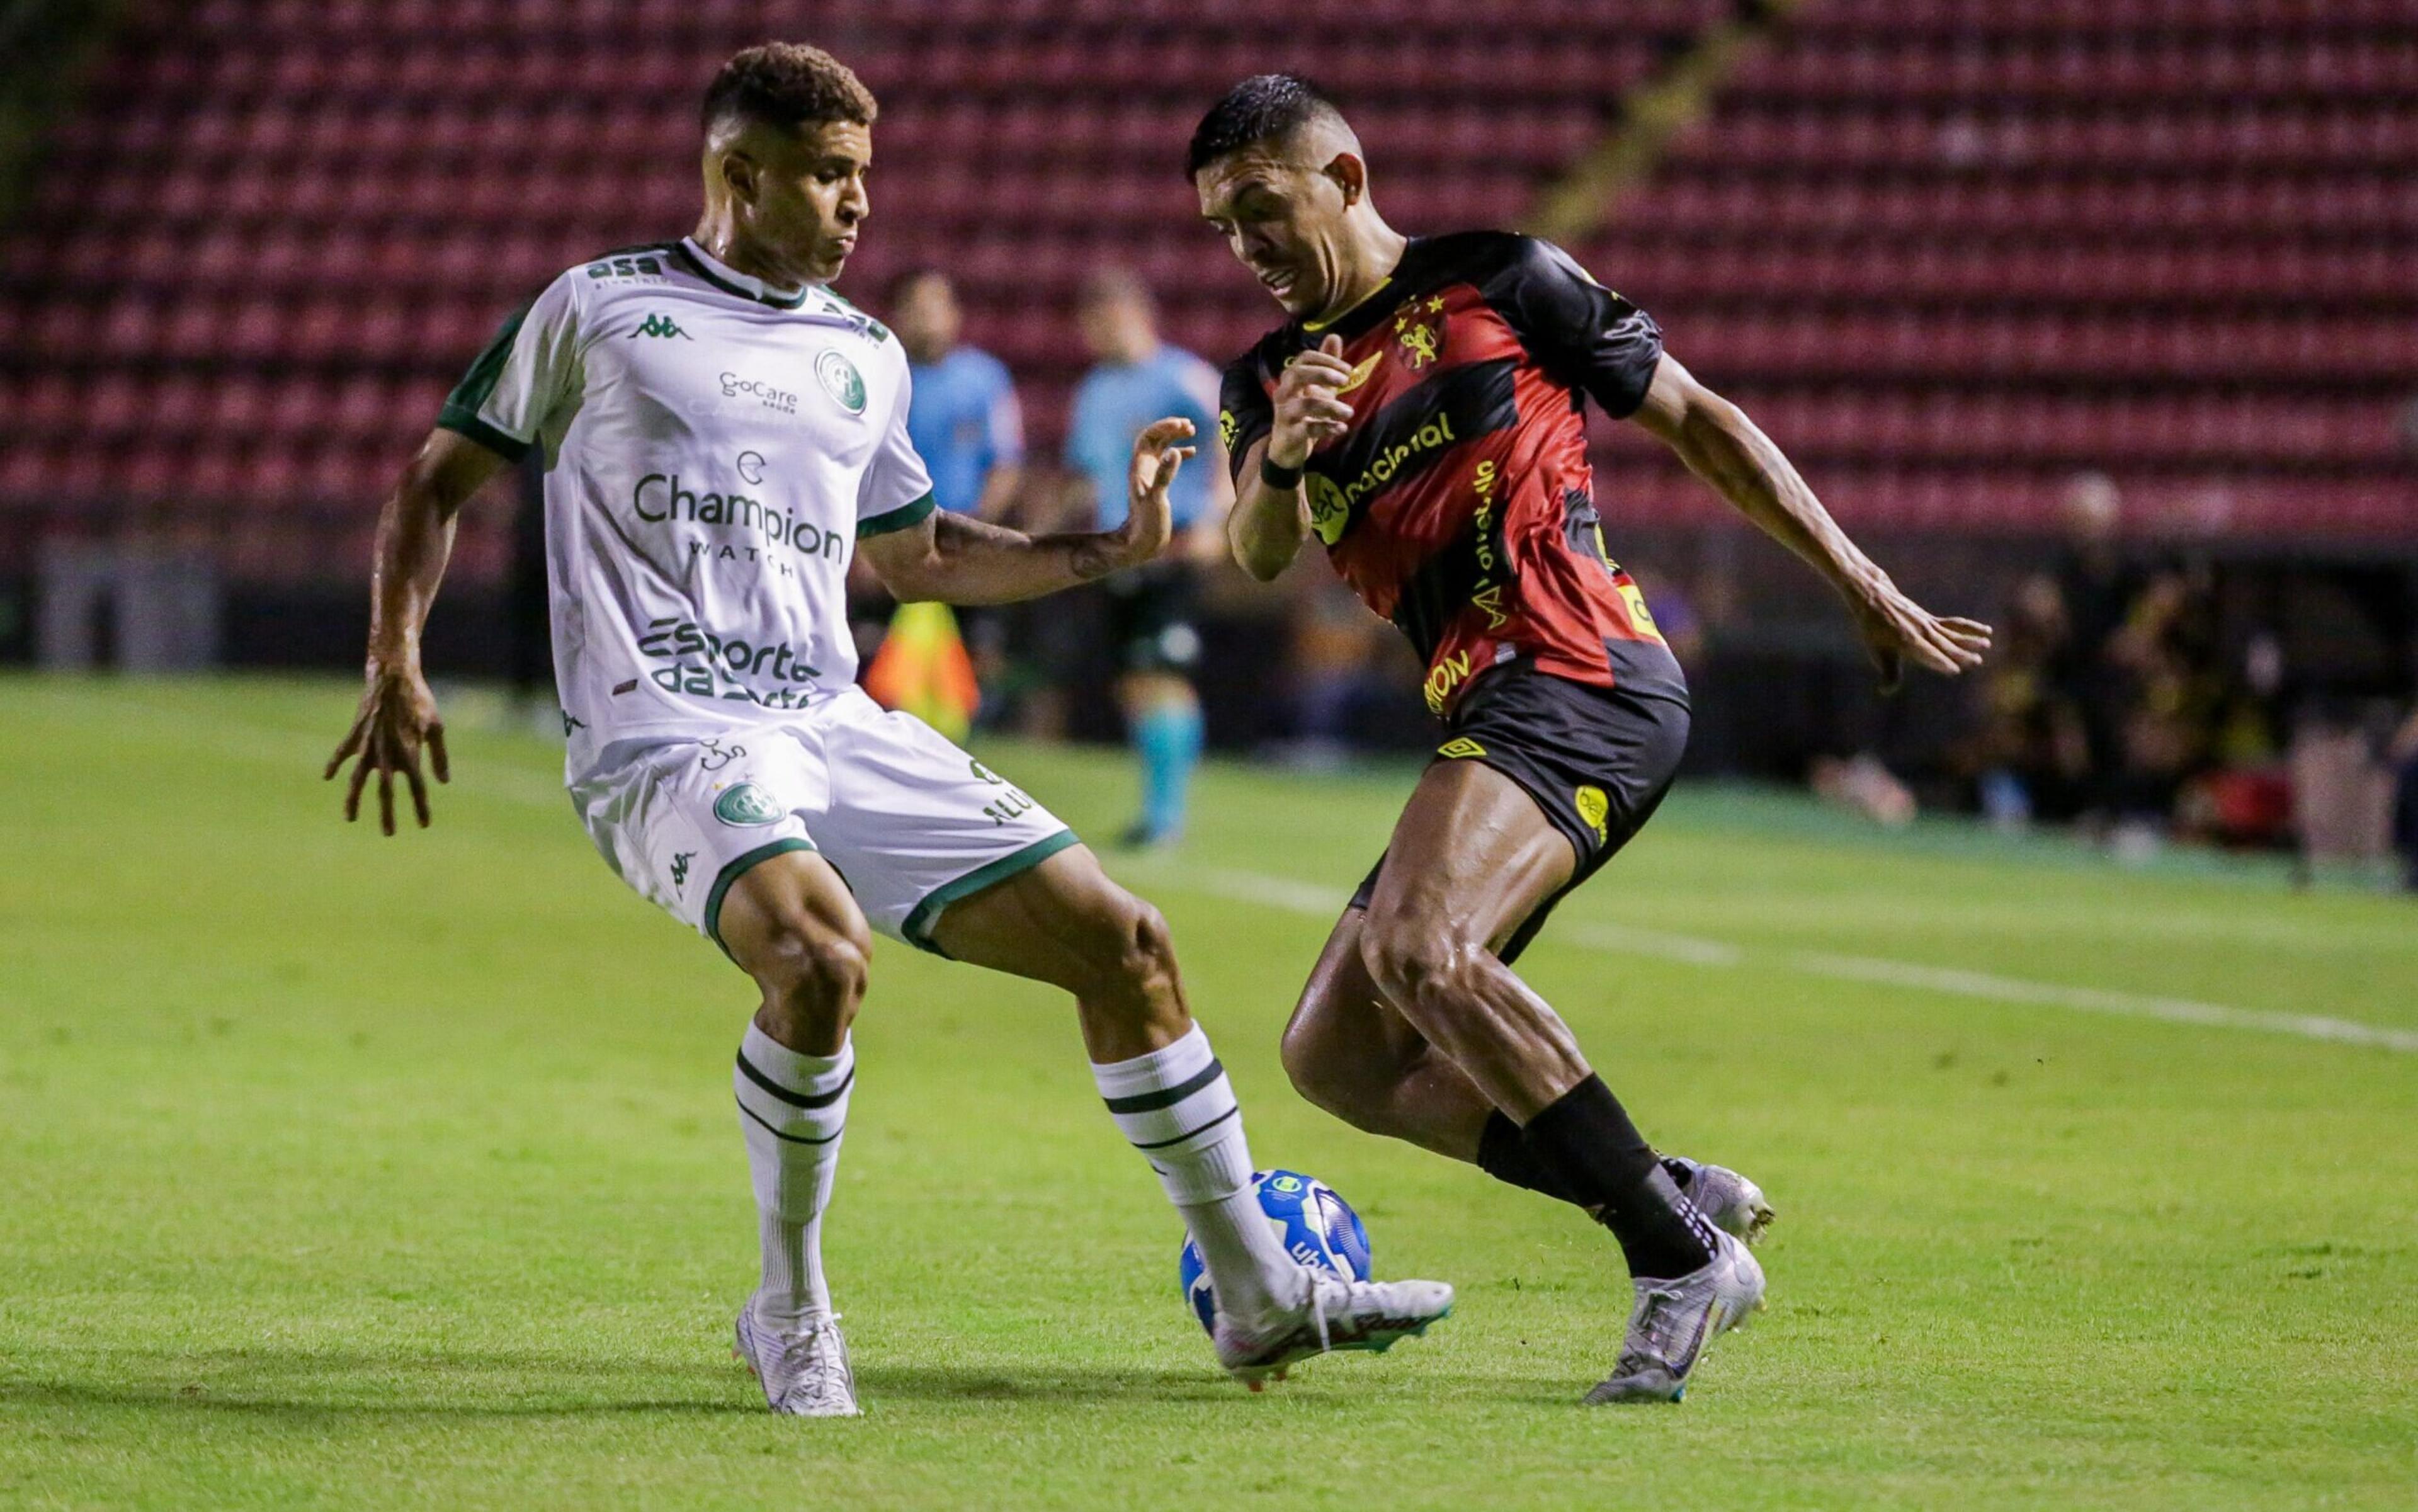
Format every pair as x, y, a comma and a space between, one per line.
467, 422
901, 518
739, 867
478, 384
918, 927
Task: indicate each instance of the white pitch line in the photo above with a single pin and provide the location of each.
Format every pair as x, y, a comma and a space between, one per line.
1624, 939
1293, 895
2099, 1000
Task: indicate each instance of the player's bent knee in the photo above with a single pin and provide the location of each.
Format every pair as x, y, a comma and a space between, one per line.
1144, 959
1421, 970
1324, 1077
813, 975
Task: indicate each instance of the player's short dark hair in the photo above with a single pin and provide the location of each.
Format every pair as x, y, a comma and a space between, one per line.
787, 84
1261, 108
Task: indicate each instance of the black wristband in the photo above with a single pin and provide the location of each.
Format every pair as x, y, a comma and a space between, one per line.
1278, 478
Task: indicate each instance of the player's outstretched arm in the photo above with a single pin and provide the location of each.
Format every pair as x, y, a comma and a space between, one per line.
415, 536
1722, 447
956, 559
1270, 518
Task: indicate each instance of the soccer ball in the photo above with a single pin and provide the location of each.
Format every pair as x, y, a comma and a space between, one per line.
1317, 1227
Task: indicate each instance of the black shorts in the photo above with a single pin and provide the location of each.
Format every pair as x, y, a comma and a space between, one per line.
1151, 613
1597, 760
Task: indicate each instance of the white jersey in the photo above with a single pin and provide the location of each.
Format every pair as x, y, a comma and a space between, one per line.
714, 448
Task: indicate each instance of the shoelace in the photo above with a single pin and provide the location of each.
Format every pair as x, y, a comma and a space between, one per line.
1317, 1315
819, 1360
1657, 1314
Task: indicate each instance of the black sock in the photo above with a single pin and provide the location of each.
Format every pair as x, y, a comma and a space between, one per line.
1586, 1142
1503, 1155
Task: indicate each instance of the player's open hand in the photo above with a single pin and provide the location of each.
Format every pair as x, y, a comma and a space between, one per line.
1897, 629
396, 720
1308, 412
1158, 456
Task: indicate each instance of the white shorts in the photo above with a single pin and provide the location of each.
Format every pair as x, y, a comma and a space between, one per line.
911, 822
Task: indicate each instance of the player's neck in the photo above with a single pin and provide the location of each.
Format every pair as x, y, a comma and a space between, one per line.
1370, 254
725, 245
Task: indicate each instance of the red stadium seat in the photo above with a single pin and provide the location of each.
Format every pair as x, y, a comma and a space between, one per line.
1947, 250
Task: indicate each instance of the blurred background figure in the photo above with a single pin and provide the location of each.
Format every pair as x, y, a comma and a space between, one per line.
1151, 610
2404, 800
966, 424
965, 419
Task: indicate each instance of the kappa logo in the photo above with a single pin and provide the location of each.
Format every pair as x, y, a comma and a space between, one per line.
744, 805
660, 324
1459, 748
1227, 426
840, 379
680, 868
1363, 371
1594, 808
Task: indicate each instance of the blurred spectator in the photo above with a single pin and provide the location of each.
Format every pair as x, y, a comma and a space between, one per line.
2096, 585
2343, 789
2168, 694
1334, 668
2030, 754
966, 424
2404, 800
1140, 379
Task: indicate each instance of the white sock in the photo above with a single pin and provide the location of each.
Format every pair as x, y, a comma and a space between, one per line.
1176, 1107
792, 1108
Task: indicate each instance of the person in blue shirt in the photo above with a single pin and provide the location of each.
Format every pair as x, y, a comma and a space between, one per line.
1139, 379
963, 416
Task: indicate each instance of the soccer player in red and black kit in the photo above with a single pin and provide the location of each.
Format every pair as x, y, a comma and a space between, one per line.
1422, 415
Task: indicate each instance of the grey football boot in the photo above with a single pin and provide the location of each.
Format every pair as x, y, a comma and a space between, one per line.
1676, 1321
1728, 1201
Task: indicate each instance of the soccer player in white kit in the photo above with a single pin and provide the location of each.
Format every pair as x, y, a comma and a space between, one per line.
719, 433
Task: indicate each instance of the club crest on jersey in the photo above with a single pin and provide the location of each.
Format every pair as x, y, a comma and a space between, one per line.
840, 379
744, 804
1421, 339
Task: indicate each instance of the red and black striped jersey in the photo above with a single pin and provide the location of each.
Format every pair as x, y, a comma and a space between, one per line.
1460, 503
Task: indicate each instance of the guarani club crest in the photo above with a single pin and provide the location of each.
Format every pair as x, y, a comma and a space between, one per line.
745, 804
841, 380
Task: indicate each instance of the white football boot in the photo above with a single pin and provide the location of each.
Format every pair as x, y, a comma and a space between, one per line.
1336, 1314
805, 1374
1676, 1321
1728, 1201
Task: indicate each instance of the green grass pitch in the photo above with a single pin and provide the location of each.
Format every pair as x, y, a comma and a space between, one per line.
344, 1172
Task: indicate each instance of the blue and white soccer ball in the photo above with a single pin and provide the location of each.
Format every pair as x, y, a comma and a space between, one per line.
1317, 1227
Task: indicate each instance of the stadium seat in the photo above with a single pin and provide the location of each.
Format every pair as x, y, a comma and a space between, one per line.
1947, 250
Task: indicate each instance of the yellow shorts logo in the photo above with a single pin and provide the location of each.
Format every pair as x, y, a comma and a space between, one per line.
1640, 619
1461, 746
1594, 808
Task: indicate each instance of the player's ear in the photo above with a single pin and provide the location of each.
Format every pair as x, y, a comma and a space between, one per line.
1351, 175
738, 173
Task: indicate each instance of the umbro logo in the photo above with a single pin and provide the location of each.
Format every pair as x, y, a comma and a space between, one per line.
661, 325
